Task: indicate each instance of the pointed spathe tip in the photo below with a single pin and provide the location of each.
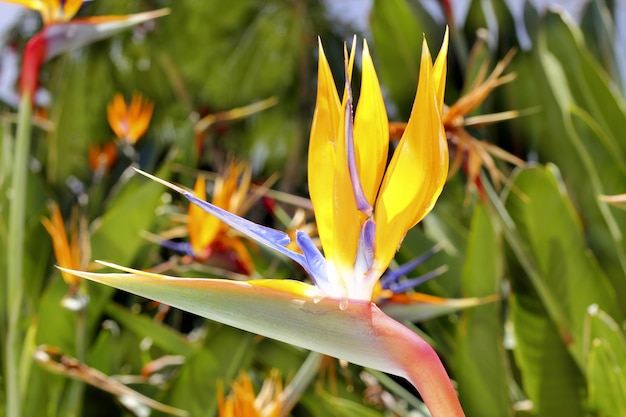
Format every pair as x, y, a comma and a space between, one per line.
159, 180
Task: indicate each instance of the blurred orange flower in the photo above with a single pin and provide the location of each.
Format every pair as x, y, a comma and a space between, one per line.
129, 122
102, 158
69, 253
209, 237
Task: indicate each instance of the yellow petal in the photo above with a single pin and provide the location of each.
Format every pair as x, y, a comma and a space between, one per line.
371, 130
70, 8
417, 170
202, 226
330, 187
440, 69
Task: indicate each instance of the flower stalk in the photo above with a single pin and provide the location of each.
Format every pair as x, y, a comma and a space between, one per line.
15, 255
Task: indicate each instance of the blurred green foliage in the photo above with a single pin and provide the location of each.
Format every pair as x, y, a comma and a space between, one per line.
545, 243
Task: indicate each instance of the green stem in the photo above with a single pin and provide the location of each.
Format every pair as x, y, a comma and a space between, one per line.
301, 381
15, 252
72, 404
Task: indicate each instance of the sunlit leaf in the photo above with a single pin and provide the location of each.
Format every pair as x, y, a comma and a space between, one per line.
481, 362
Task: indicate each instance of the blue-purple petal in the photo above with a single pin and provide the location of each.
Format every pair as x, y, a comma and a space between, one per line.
400, 287
392, 276
316, 263
361, 201
182, 247
267, 236
366, 249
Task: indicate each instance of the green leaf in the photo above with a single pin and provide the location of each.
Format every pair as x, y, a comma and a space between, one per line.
600, 33
117, 235
579, 129
397, 36
325, 404
606, 364
162, 336
551, 247
260, 60
480, 360
550, 377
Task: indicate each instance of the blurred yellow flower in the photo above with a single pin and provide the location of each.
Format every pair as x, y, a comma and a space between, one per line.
242, 402
208, 234
52, 11
209, 237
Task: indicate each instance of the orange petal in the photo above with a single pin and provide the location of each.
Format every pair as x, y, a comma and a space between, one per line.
64, 254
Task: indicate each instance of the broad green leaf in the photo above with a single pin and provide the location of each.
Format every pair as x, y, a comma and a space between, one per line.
607, 383
481, 368
448, 226
600, 34
587, 80
550, 377
578, 127
397, 36
273, 354
606, 364
552, 250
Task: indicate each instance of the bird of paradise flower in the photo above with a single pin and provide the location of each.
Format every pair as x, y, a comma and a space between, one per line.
69, 252
61, 34
363, 210
129, 122
208, 236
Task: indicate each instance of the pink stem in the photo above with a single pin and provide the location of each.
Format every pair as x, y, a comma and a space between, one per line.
418, 362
